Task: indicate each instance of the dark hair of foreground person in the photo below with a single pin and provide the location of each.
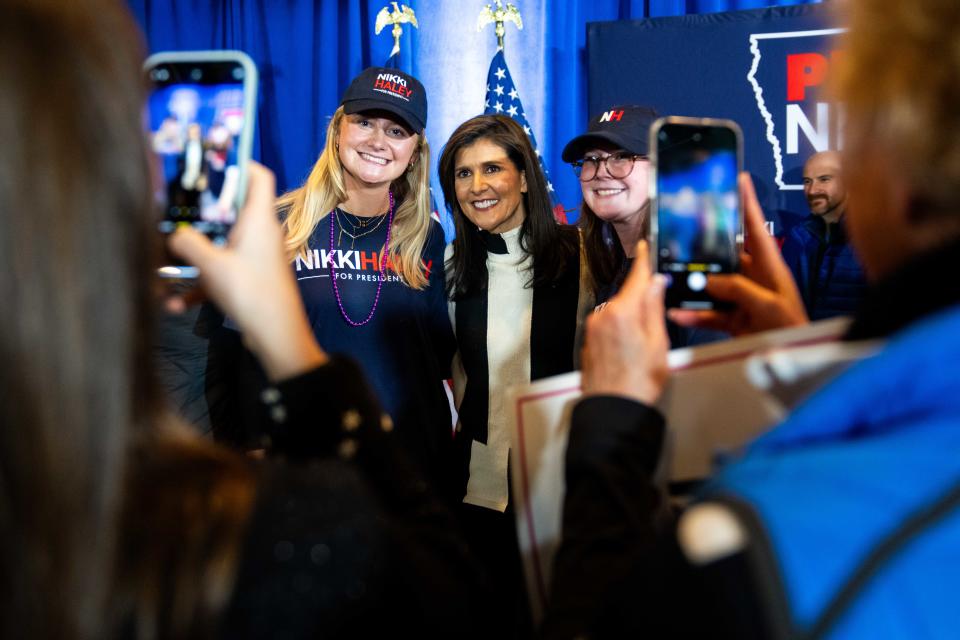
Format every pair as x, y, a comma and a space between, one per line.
115, 520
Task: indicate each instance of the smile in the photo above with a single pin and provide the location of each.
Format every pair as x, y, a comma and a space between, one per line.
374, 159
607, 192
484, 204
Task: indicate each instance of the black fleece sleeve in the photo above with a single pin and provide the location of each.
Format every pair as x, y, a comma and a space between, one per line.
607, 573
332, 412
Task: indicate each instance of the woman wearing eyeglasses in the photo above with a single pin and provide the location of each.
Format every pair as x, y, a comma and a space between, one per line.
610, 160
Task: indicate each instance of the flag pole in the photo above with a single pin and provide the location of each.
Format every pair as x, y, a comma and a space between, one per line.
502, 96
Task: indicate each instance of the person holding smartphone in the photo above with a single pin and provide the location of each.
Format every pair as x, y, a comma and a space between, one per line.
368, 257
612, 162
840, 520
116, 520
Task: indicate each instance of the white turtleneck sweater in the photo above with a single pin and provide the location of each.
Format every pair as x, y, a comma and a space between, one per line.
508, 348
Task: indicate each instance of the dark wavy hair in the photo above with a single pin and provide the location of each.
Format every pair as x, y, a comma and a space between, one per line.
540, 235
605, 255
78, 248
78, 395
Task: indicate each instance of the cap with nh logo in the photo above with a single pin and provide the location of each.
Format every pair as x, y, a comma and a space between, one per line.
626, 127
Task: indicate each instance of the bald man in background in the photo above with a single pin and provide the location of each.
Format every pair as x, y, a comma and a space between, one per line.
828, 273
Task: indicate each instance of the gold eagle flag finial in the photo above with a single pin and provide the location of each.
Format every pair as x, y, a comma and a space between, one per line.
499, 16
401, 14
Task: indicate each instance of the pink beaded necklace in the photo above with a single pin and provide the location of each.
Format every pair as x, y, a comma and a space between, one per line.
380, 278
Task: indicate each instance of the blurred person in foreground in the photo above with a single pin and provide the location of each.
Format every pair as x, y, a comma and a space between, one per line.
842, 521
116, 520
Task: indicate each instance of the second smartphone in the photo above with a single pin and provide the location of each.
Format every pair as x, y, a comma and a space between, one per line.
201, 112
696, 214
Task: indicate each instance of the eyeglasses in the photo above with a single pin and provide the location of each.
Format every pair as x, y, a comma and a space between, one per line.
619, 165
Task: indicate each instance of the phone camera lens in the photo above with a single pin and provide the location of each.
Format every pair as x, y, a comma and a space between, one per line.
196, 74
696, 281
238, 73
697, 137
663, 135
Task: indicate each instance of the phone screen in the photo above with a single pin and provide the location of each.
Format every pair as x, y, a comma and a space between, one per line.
196, 118
698, 208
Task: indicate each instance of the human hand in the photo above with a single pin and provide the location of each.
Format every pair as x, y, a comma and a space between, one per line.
625, 352
764, 292
251, 280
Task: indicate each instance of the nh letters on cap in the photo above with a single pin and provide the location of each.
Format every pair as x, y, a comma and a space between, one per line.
611, 115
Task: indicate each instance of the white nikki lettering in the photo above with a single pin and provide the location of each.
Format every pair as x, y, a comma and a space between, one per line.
326, 258
305, 263
349, 259
392, 77
310, 260
355, 260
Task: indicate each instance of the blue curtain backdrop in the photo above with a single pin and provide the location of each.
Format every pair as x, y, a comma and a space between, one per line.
307, 52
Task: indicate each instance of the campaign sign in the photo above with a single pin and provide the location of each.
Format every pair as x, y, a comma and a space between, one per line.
803, 122
766, 69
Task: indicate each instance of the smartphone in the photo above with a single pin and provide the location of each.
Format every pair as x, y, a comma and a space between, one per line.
200, 117
696, 216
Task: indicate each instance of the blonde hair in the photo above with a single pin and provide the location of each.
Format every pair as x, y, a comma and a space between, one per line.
899, 82
325, 189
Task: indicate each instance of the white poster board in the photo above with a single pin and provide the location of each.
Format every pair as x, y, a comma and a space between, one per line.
720, 397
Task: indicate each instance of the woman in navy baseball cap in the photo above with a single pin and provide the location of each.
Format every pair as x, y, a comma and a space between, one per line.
611, 161
369, 258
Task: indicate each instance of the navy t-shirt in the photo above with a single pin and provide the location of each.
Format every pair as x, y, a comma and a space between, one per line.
406, 348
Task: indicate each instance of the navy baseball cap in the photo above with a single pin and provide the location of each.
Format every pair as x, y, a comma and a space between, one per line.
626, 126
391, 90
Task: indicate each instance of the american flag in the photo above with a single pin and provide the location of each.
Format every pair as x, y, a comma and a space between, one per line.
502, 97
393, 62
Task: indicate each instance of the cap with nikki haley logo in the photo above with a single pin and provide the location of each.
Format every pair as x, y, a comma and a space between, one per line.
626, 126
391, 90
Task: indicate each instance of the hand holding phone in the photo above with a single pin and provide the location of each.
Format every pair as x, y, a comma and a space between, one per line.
201, 111
625, 350
763, 296
251, 281
696, 216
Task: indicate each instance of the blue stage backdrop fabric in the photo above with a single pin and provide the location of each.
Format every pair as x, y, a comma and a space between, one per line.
307, 52
765, 69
